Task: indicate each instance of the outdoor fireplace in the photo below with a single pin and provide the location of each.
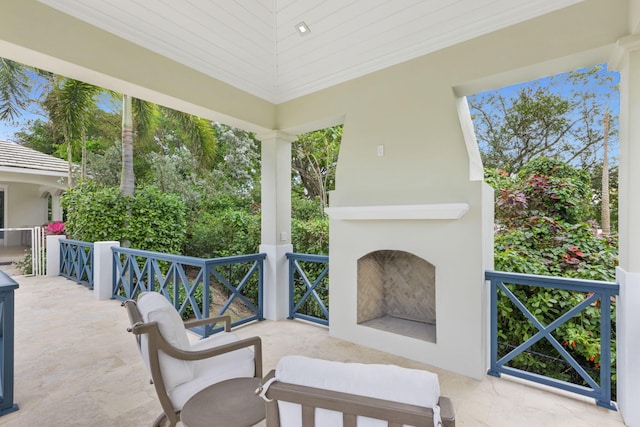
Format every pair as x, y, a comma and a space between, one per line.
407, 279
396, 293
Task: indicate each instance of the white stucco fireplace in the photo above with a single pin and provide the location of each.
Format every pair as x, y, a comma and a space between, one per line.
408, 279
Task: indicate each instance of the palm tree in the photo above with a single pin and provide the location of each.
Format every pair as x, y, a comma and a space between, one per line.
69, 104
139, 121
127, 178
14, 88
199, 136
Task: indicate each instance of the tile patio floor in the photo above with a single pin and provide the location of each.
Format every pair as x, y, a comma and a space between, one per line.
77, 366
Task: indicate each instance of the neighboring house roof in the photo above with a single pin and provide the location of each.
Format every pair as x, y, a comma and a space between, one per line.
17, 156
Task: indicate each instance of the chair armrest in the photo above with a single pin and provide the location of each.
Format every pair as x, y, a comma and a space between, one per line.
177, 353
134, 315
447, 413
213, 319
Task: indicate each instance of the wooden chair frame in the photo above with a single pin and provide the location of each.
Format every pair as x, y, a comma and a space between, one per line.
351, 406
156, 342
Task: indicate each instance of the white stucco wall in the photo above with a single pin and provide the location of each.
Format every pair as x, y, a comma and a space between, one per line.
26, 206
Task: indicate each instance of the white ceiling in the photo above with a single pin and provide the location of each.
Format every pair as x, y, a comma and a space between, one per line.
253, 45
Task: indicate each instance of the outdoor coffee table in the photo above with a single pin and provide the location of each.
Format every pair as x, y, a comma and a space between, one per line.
230, 403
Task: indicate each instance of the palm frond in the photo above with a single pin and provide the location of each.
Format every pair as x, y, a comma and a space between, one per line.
14, 88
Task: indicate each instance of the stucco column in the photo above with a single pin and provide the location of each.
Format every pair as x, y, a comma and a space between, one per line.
53, 254
103, 269
627, 61
276, 220
56, 208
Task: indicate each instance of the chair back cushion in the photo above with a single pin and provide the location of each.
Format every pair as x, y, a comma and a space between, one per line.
389, 382
155, 307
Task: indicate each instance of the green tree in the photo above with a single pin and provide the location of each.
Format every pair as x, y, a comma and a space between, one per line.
314, 159
69, 103
562, 118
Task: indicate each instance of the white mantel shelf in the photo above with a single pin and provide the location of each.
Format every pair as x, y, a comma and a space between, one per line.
399, 212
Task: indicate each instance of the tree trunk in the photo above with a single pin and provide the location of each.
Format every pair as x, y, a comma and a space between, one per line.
605, 220
83, 175
127, 178
69, 160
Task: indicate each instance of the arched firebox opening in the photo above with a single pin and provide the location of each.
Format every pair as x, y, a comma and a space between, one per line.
397, 294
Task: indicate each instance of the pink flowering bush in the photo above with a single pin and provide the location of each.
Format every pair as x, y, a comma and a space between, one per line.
55, 228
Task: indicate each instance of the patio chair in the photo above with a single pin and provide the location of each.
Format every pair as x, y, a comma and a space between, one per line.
317, 393
181, 370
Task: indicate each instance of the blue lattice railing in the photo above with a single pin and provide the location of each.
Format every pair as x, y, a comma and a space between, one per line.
309, 297
198, 287
592, 294
76, 261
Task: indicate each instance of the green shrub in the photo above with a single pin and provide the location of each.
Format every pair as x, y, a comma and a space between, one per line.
157, 222
94, 213
223, 233
310, 236
149, 220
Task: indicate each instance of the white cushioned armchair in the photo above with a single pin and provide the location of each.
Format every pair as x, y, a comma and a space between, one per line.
178, 368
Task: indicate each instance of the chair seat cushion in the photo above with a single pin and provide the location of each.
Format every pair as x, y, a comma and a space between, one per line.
389, 382
238, 363
155, 307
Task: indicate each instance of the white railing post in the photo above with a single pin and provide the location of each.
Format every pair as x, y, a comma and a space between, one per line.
53, 254
103, 269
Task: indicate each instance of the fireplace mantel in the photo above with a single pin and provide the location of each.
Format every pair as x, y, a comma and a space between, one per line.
399, 212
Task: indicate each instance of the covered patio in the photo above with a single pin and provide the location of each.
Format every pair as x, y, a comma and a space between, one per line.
76, 365
409, 176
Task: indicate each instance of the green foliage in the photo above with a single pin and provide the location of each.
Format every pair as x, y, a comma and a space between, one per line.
14, 89
25, 264
104, 168
313, 160
94, 212
541, 230
157, 221
304, 208
311, 236
224, 232
98, 213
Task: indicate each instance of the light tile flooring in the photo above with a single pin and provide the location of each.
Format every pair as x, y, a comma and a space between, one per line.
77, 366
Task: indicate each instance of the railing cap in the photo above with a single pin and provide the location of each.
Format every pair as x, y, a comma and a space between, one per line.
7, 283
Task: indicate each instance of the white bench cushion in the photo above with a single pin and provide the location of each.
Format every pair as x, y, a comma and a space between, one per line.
389, 382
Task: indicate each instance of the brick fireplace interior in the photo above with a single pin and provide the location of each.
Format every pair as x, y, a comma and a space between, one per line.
396, 293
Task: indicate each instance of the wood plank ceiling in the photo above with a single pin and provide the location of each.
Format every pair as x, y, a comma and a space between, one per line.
254, 46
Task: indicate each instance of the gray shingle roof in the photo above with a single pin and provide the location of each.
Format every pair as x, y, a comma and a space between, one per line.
16, 156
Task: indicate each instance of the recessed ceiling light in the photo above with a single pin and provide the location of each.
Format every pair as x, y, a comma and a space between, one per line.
303, 28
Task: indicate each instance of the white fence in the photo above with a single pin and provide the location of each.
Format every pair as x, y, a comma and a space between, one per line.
15, 243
